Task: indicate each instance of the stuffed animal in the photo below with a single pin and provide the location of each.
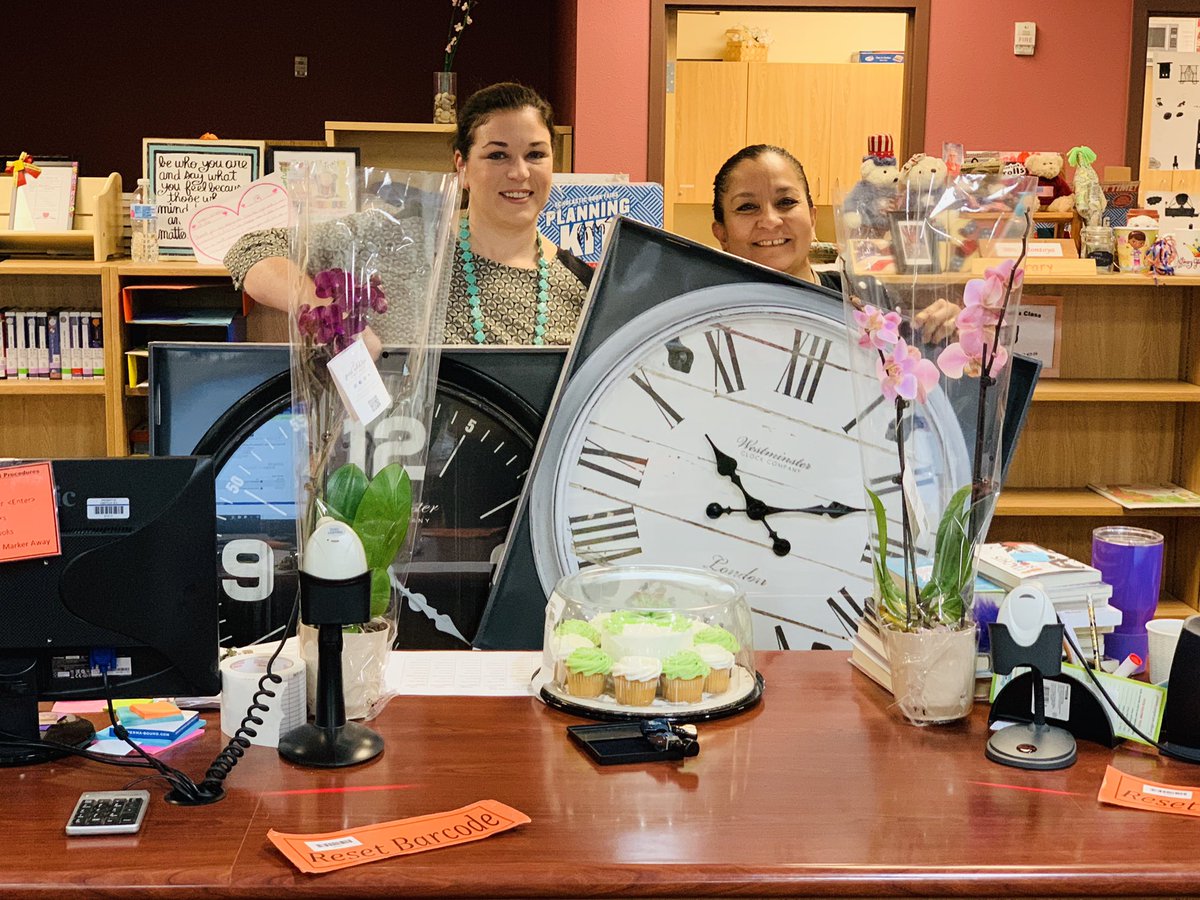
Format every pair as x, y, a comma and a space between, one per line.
921, 181
871, 201
1089, 196
1054, 194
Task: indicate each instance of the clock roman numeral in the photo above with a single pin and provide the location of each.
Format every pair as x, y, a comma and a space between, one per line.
886, 484
720, 369
605, 536
814, 351
622, 466
668, 412
894, 544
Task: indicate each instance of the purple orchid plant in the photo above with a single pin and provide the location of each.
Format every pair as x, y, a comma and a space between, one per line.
906, 377
338, 323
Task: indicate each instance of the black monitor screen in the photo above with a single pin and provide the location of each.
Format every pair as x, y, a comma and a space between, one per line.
137, 580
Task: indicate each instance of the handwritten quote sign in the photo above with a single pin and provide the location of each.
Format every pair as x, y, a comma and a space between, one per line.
28, 515
186, 175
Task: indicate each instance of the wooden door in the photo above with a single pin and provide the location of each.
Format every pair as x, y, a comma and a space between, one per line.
790, 105
867, 99
710, 124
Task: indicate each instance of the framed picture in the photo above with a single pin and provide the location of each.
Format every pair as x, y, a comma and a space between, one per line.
915, 245
872, 256
1039, 332
333, 176
186, 174
46, 203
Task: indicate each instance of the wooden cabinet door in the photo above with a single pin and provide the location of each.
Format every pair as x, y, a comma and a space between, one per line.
710, 124
867, 99
790, 105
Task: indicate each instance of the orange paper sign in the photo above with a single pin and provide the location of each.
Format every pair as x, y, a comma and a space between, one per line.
316, 853
28, 516
1120, 789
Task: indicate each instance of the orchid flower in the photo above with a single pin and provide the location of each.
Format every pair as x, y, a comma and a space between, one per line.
984, 298
344, 318
905, 373
878, 329
965, 356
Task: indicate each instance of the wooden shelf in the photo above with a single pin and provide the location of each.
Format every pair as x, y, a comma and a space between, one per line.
1114, 279
1074, 502
167, 268
137, 391
48, 266
47, 386
1170, 607
1062, 390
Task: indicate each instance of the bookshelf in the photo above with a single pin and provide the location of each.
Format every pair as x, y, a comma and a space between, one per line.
1124, 410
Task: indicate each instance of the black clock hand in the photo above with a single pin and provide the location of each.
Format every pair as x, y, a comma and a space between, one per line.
727, 466
834, 510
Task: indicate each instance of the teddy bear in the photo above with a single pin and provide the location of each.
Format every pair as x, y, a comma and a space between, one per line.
922, 179
1054, 194
872, 200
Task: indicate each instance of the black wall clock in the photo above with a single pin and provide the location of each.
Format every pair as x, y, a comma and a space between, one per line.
489, 407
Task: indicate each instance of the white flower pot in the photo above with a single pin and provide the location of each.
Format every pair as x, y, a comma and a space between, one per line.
933, 673
364, 658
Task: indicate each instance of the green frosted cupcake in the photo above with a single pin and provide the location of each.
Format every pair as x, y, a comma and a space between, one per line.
587, 671
579, 627
717, 635
683, 677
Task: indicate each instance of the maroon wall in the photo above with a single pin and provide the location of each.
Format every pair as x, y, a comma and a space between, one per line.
100, 77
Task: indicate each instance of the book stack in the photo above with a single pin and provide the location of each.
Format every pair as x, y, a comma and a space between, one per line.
51, 344
158, 722
1074, 588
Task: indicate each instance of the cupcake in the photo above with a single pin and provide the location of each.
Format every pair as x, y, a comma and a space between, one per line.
720, 665
635, 680
579, 627
562, 646
684, 674
715, 634
587, 670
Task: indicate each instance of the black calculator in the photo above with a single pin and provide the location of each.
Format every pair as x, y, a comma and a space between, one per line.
108, 812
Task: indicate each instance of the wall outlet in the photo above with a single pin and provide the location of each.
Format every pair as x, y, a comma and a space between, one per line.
301, 67
1025, 38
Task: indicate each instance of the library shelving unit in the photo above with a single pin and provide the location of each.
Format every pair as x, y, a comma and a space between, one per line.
51, 418
1126, 408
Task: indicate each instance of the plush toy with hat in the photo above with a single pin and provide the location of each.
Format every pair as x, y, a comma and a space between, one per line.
871, 201
1054, 194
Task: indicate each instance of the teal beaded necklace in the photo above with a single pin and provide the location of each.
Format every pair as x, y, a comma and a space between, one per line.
472, 278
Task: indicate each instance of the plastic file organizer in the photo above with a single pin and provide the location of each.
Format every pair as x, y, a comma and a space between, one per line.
173, 312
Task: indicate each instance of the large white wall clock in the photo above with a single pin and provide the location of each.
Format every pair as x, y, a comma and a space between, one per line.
716, 429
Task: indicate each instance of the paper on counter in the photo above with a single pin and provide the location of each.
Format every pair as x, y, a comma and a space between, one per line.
462, 673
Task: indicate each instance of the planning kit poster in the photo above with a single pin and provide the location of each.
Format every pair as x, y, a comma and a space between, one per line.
576, 213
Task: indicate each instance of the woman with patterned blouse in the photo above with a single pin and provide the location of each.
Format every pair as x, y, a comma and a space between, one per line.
509, 284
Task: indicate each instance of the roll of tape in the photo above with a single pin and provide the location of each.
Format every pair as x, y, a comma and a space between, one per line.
240, 676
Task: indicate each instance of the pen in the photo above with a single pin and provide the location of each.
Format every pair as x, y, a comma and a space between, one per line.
1095, 637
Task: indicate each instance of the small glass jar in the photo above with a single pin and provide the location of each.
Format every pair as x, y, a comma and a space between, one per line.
1096, 243
445, 98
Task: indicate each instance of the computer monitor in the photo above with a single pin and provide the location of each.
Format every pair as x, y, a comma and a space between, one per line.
135, 576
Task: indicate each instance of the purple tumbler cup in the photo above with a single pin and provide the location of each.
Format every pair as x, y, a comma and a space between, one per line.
1130, 559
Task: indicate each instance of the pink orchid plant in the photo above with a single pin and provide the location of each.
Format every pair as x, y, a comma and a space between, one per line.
460, 18
906, 377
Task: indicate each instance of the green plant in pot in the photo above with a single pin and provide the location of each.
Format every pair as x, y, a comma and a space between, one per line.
378, 509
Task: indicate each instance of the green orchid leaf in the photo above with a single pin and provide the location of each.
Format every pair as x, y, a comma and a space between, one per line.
943, 594
344, 491
381, 591
381, 520
892, 604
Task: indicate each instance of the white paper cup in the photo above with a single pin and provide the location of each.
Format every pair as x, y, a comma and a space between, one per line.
1163, 635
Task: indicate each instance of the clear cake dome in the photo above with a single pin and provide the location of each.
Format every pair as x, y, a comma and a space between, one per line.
638, 641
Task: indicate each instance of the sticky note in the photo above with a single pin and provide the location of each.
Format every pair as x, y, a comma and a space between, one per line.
158, 709
28, 513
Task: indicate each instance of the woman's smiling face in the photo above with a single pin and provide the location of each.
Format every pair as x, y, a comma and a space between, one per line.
767, 215
508, 168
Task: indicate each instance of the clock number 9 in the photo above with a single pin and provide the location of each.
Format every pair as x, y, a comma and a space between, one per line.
248, 560
395, 438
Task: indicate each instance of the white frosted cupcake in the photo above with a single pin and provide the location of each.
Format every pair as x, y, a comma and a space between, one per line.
564, 645
635, 680
720, 667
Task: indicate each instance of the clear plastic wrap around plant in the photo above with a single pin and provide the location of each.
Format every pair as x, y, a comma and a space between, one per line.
932, 285
370, 262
